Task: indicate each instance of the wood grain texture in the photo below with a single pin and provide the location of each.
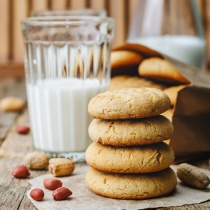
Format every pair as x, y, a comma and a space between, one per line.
78, 4
39, 4
58, 4
11, 69
12, 152
207, 30
10, 87
11, 40
117, 11
97, 4
20, 11
4, 30
131, 10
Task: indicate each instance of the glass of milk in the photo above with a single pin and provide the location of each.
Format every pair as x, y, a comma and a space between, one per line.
67, 62
171, 27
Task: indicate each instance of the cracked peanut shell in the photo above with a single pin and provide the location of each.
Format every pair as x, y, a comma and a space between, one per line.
61, 166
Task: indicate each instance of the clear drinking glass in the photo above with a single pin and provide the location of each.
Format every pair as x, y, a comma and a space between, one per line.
79, 12
67, 62
170, 27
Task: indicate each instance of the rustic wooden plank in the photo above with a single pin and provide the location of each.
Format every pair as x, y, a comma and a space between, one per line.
131, 11
75, 4
39, 5
20, 11
4, 28
117, 11
58, 5
12, 152
10, 87
11, 69
97, 4
13, 87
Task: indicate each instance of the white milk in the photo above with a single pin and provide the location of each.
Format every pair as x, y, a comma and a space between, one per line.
58, 113
188, 49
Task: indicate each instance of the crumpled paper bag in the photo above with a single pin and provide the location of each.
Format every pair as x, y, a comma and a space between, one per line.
191, 119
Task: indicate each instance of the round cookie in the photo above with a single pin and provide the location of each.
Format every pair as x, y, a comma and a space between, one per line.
131, 186
125, 81
125, 62
141, 159
162, 70
130, 132
124, 57
129, 103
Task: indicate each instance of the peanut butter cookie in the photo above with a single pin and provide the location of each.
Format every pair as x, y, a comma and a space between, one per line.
161, 70
129, 103
131, 132
141, 159
131, 186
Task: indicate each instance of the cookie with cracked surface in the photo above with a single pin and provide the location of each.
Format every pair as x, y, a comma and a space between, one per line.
129, 103
141, 159
131, 186
131, 132
161, 70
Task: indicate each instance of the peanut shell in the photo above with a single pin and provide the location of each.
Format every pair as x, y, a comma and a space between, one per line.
61, 166
192, 176
11, 104
36, 160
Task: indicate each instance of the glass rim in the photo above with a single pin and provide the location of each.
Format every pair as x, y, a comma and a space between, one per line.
70, 11
66, 20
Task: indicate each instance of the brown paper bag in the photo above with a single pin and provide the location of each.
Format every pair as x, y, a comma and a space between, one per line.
191, 119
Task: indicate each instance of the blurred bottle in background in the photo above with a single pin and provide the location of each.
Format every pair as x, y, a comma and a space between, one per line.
171, 27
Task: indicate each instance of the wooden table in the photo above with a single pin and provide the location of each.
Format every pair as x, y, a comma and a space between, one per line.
13, 147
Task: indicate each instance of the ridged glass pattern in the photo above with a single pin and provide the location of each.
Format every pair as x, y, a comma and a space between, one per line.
66, 64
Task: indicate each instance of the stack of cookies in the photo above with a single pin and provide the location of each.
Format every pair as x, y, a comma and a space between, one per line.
128, 157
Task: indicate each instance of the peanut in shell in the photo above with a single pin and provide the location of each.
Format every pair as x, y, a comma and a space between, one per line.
192, 176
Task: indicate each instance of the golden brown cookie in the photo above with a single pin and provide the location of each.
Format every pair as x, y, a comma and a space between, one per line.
131, 132
125, 62
125, 81
131, 186
161, 70
129, 103
172, 92
141, 159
